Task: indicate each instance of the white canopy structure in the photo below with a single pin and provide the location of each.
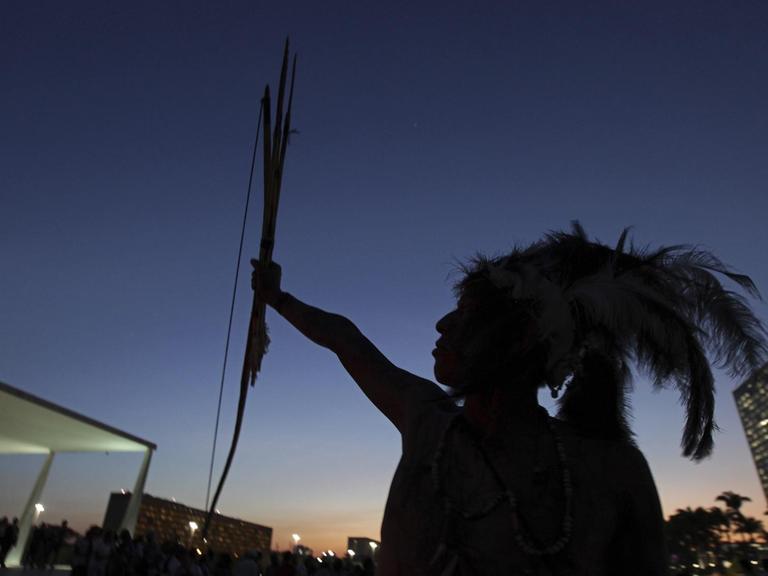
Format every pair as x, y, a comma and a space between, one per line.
31, 425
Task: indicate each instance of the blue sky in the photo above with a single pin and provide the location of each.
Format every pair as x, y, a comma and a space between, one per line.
427, 132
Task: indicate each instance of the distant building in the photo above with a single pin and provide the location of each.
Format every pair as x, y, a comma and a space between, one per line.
170, 520
752, 403
362, 547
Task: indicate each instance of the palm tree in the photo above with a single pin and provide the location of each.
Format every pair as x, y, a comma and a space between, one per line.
732, 500
748, 527
681, 536
721, 521
691, 534
733, 503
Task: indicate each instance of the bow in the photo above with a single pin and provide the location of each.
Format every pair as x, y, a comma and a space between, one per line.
275, 144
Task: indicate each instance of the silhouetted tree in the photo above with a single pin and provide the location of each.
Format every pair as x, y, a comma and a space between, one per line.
721, 521
748, 527
692, 534
733, 501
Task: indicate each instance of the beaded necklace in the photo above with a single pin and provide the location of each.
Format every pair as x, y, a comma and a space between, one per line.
523, 540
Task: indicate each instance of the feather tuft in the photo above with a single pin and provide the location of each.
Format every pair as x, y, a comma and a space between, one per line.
664, 310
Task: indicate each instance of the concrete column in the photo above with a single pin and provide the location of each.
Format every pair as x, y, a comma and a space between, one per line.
29, 514
132, 511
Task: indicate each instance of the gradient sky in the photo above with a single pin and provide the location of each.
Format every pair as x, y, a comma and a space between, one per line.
428, 131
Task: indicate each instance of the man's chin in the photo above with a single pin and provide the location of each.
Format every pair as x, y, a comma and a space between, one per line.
442, 379
453, 386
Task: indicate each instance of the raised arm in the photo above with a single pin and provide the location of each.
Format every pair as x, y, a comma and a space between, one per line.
390, 388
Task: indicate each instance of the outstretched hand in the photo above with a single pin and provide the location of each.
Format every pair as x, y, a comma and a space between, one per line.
265, 281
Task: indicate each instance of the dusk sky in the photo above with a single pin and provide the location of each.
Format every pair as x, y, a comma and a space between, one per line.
428, 131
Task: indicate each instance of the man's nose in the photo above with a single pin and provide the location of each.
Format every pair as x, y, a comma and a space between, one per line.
445, 322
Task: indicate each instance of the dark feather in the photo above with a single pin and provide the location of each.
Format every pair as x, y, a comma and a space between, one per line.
664, 309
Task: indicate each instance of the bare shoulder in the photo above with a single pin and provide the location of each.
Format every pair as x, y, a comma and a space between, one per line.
617, 465
618, 478
640, 534
621, 459
631, 467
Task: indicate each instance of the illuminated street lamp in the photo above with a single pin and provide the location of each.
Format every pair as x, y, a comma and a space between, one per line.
296, 539
373, 546
351, 553
192, 529
39, 509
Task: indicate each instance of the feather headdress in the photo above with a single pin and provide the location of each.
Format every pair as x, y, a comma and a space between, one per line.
601, 309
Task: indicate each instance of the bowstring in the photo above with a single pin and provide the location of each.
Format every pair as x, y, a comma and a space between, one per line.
232, 307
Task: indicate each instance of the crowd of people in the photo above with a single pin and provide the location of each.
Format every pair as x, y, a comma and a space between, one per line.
102, 552
9, 535
45, 544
